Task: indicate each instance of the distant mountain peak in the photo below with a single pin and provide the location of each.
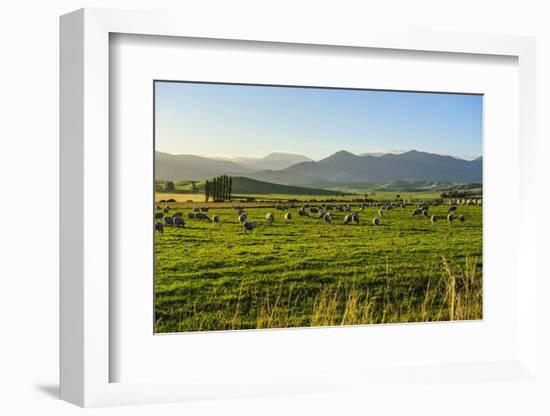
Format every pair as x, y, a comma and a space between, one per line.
341, 154
286, 156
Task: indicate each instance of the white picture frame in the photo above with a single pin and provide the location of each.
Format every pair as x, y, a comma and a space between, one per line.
86, 356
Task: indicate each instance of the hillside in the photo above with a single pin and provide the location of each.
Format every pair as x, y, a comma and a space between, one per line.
344, 167
244, 185
191, 167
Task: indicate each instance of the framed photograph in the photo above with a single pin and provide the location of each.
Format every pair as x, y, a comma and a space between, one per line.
265, 211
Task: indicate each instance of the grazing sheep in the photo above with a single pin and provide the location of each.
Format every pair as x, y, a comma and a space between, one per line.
215, 218
159, 227
327, 218
433, 219
201, 216
461, 218
375, 221
243, 217
191, 215
314, 210
166, 210
417, 211
348, 219
177, 214
380, 213
450, 218
169, 220
288, 216
178, 222
452, 209
159, 215
355, 217
249, 225
425, 213
303, 213
270, 218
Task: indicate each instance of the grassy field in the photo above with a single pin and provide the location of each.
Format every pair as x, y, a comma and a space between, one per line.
309, 273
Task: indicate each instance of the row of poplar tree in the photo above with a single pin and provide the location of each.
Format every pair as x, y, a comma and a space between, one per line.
218, 188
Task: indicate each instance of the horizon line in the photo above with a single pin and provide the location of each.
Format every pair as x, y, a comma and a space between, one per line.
373, 153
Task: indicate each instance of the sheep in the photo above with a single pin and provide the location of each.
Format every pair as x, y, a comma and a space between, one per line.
269, 218
204, 209
159, 215
433, 219
288, 216
327, 218
166, 210
178, 222
450, 218
249, 225
452, 209
177, 214
201, 216
375, 221
159, 227
461, 218
243, 217
314, 210
303, 213
380, 213
215, 218
416, 212
425, 213
355, 217
169, 220
347, 219
191, 215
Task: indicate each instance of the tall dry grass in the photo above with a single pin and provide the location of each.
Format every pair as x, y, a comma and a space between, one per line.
451, 293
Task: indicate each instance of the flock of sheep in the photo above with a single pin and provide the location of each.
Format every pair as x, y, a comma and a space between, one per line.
322, 212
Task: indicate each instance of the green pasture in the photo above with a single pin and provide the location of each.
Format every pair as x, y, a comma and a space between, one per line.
309, 273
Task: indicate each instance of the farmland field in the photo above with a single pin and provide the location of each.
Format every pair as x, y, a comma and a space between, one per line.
306, 272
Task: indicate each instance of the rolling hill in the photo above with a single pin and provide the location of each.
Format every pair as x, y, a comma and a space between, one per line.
244, 185
191, 167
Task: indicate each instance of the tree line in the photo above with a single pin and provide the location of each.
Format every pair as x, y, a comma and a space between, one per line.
218, 188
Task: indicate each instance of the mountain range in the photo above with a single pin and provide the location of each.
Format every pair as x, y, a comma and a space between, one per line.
340, 168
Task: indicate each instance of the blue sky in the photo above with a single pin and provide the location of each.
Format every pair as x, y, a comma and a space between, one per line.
245, 120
